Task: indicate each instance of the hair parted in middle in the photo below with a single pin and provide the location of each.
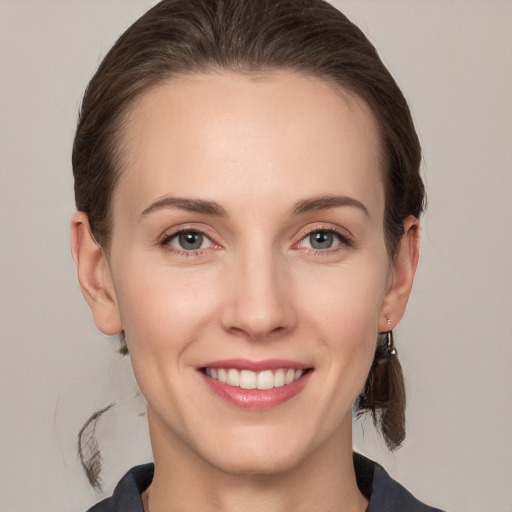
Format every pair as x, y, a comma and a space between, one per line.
310, 37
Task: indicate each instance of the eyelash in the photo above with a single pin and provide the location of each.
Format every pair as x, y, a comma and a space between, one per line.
345, 241
164, 243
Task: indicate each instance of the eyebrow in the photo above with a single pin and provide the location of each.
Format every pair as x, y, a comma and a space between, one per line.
324, 202
213, 208
191, 205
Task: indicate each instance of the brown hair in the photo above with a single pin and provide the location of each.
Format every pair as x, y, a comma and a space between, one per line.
311, 37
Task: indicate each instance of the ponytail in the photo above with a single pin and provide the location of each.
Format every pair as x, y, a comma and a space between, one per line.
383, 395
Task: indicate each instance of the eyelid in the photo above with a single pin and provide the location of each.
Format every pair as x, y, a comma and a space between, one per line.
345, 237
170, 239
171, 233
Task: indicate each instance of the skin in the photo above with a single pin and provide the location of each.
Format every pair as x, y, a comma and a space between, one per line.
257, 146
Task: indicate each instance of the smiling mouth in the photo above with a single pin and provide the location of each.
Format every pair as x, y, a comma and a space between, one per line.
247, 379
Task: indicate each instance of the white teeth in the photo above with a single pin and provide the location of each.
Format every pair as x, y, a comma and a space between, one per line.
265, 380
279, 378
246, 379
233, 377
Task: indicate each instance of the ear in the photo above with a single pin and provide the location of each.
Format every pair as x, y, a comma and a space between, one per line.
94, 276
403, 268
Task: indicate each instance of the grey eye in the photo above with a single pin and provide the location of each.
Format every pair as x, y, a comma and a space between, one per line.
187, 241
321, 239
190, 240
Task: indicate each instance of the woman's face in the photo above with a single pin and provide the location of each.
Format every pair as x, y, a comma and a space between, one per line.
248, 245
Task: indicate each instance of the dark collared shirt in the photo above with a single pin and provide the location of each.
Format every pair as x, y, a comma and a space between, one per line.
382, 492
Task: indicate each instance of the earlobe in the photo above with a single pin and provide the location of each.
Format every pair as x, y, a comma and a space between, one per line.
94, 276
403, 268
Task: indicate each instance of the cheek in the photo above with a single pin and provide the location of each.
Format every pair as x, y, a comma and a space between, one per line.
162, 309
342, 309
163, 313
348, 297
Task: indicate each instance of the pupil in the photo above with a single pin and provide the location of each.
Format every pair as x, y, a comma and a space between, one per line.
191, 240
321, 240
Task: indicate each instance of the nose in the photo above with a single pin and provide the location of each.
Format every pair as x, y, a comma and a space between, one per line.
258, 295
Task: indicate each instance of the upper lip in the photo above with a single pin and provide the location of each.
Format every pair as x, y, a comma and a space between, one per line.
256, 366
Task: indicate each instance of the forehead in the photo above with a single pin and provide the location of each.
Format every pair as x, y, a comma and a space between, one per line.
281, 134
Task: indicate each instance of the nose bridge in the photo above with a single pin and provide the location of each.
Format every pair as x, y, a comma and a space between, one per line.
259, 301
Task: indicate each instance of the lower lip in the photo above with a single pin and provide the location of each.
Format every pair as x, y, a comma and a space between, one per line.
256, 399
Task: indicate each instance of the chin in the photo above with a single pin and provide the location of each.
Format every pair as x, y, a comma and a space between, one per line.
256, 463
258, 454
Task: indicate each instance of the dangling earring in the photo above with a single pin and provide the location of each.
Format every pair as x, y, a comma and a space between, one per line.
390, 343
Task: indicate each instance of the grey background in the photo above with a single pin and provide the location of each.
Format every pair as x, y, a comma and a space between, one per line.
453, 60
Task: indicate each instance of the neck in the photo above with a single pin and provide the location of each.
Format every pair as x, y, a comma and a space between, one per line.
322, 481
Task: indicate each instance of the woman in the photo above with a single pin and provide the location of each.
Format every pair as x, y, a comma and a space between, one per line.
248, 194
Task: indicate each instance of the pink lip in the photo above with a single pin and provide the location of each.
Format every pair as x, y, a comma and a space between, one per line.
256, 366
256, 399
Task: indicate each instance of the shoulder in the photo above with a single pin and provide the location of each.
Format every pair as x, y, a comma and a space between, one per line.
385, 494
126, 495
